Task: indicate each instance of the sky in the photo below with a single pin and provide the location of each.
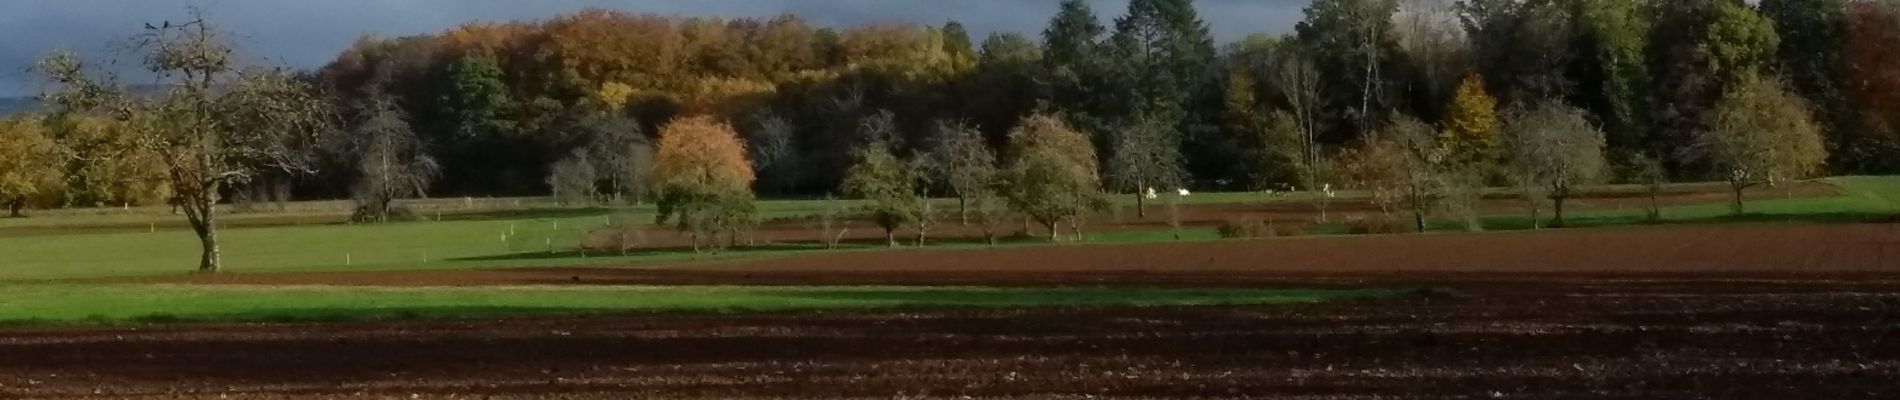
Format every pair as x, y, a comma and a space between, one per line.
309, 33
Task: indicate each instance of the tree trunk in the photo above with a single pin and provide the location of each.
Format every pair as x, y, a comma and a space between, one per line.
17, 208
963, 209
1055, 234
204, 221
1418, 219
1534, 210
1557, 205
1141, 204
1738, 186
890, 236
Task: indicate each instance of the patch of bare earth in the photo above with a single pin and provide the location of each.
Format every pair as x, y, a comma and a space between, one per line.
1502, 336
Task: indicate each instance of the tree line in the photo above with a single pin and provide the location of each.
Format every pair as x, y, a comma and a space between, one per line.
1416, 101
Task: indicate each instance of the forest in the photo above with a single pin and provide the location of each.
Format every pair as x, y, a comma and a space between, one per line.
1360, 92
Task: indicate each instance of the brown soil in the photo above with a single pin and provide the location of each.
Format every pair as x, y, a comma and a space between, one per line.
1500, 336
1694, 251
1748, 311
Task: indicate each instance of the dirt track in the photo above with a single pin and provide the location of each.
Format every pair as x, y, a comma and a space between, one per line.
1746, 311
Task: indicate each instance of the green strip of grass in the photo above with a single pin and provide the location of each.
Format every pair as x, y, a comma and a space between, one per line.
66, 304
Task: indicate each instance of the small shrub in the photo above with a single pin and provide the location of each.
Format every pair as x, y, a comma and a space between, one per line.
1245, 228
1287, 230
368, 215
1373, 225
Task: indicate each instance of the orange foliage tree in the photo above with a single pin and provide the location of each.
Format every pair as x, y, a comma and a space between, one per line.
703, 181
1873, 66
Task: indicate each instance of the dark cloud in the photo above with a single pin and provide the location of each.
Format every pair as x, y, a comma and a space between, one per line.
306, 33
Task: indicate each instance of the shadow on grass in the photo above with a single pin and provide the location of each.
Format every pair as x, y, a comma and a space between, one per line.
1091, 296
532, 213
645, 252
1514, 223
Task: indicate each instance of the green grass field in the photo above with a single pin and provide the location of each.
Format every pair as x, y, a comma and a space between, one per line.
524, 237
36, 304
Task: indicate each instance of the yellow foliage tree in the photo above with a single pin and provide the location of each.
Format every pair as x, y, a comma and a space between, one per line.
29, 164
1471, 124
703, 180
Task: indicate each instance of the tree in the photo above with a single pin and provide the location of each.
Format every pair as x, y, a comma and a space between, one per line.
1400, 166
1299, 82
1144, 157
1076, 75
1698, 49
1471, 124
1351, 42
774, 153
621, 153
1553, 149
887, 186
1525, 48
1873, 89
216, 124
1812, 57
703, 180
573, 179
1761, 134
961, 159
29, 164
1437, 50
391, 161
1052, 173
1615, 32
104, 165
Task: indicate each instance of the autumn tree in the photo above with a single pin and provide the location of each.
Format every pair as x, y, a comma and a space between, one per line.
1471, 124
1052, 173
1553, 150
887, 186
30, 164
217, 123
1873, 76
391, 161
1399, 165
104, 165
1760, 133
702, 180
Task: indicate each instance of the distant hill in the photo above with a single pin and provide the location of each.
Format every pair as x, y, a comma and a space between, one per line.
15, 105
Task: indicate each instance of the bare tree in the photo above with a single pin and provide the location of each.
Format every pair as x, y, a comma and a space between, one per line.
391, 161
573, 179
1761, 134
215, 124
1145, 156
1298, 80
961, 159
621, 155
774, 154
1552, 150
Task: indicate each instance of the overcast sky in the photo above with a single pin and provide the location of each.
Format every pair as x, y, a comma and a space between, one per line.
308, 33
